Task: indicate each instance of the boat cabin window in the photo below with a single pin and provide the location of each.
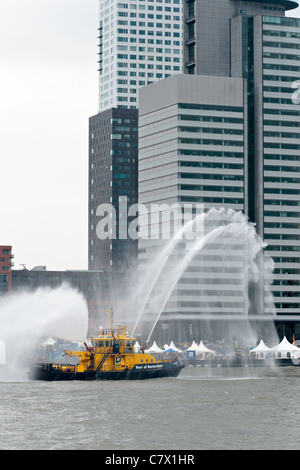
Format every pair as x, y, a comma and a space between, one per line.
102, 343
130, 343
97, 343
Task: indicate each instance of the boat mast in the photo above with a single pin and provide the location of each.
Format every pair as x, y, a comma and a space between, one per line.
111, 319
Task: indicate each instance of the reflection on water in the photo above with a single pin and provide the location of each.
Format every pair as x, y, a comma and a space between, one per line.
236, 408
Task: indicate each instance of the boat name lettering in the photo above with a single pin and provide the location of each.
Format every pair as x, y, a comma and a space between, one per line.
149, 366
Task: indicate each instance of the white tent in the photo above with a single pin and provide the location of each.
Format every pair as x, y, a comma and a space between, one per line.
261, 349
201, 349
136, 347
193, 346
285, 349
154, 348
171, 348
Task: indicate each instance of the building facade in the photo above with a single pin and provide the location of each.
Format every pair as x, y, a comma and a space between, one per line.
139, 42
193, 151
6, 264
256, 144
113, 162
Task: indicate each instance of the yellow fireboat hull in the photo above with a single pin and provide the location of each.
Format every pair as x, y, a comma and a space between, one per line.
54, 372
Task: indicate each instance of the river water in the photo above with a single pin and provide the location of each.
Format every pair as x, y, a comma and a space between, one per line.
229, 408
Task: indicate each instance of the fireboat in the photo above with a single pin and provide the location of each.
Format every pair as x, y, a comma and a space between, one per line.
111, 357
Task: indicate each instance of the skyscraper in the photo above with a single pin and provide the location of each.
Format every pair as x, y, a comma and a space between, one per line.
140, 42
254, 47
113, 162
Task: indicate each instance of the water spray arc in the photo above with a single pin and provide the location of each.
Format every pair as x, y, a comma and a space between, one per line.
154, 271
219, 225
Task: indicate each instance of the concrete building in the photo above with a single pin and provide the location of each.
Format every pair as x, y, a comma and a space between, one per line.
139, 42
193, 150
243, 55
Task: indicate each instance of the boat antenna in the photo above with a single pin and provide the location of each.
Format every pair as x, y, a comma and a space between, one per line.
111, 318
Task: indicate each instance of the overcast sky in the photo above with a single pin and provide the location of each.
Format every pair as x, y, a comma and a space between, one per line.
49, 89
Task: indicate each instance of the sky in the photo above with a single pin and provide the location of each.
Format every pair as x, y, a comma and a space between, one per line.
48, 91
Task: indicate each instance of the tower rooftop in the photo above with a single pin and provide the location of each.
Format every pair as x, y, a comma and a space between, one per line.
287, 4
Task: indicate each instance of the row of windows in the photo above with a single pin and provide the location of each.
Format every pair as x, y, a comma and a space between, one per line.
226, 199
206, 153
133, 6
210, 130
237, 109
284, 179
143, 32
158, 50
283, 21
199, 187
211, 176
282, 212
281, 78
282, 123
283, 45
283, 168
233, 143
151, 24
201, 118
273, 55
283, 67
289, 135
134, 65
282, 146
281, 191
283, 248
285, 34
227, 166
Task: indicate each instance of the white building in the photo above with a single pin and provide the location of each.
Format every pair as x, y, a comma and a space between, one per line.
140, 42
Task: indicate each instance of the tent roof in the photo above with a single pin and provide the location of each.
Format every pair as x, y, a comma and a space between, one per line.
202, 348
260, 347
154, 348
193, 346
171, 348
285, 345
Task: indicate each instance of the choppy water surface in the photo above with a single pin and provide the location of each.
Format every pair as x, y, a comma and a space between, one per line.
201, 409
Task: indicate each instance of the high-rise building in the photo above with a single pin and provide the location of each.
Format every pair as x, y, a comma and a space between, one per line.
235, 123
113, 161
192, 151
140, 42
